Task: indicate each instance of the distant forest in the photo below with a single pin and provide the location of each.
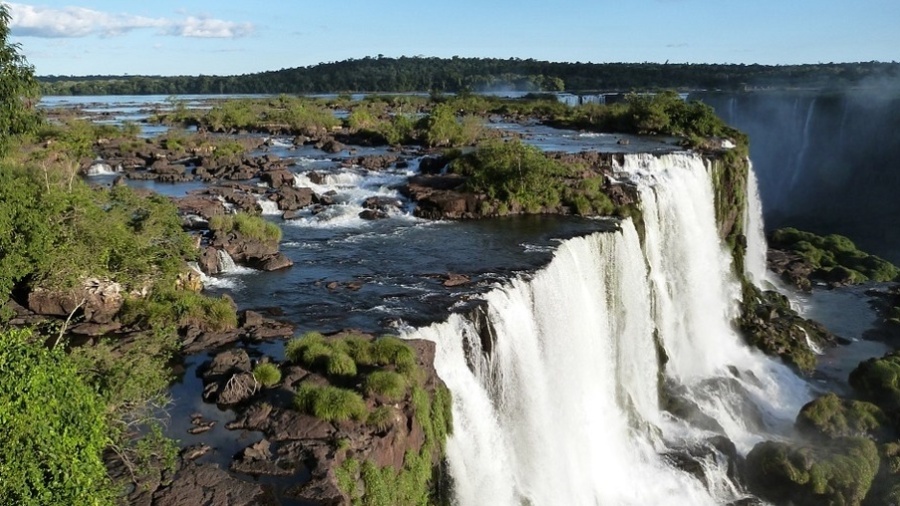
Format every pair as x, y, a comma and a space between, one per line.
454, 75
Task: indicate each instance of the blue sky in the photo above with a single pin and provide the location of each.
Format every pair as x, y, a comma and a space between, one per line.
225, 37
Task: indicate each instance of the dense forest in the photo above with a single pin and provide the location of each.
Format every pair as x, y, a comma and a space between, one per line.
420, 74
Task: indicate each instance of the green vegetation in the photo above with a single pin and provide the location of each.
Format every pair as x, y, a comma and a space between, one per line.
835, 256
18, 89
180, 308
267, 374
53, 426
387, 384
383, 486
833, 417
839, 473
664, 113
517, 177
422, 74
55, 232
277, 114
878, 381
249, 226
386, 371
330, 403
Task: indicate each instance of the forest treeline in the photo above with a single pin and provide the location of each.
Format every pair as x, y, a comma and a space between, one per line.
421, 74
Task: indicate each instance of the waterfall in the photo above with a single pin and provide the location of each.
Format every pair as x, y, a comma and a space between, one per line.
755, 257
226, 263
564, 407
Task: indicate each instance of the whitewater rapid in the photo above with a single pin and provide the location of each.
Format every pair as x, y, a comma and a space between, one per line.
565, 406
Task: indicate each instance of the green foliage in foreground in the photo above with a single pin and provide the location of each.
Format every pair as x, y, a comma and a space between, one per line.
250, 226
53, 428
18, 88
330, 403
834, 255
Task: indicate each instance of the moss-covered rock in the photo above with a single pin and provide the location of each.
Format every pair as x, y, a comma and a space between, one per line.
878, 380
769, 324
835, 259
830, 416
840, 473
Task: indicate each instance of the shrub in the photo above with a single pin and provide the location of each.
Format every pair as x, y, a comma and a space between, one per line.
387, 384
389, 350
267, 374
513, 173
53, 426
381, 418
330, 403
295, 348
340, 364
250, 226
179, 308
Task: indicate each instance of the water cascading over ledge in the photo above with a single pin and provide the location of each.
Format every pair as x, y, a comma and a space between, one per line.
568, 406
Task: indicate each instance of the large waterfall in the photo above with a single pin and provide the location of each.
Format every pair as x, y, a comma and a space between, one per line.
565, 406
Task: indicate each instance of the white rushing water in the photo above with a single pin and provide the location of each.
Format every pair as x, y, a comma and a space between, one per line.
564, 409
350, 187
754, 229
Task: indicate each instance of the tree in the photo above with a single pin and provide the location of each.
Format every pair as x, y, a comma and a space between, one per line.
18, 88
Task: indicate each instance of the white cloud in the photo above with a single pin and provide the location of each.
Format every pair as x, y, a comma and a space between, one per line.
209, 28
40, 21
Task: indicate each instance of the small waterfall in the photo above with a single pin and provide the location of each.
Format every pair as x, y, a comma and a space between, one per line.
269, 208
564, 408
755, 257
226, 263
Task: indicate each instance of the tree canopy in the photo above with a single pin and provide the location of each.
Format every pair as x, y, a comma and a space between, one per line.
18, 87
422, 74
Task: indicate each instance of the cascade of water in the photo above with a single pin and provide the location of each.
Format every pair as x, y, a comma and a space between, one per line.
755, 257
226, 263
694, 296
564, 409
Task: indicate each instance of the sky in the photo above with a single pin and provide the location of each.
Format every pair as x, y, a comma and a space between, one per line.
228, 37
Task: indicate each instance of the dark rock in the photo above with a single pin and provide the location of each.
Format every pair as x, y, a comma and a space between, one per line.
209, 261
271, 263
291, 215
206, 484
278, 178
289, 198
331, 146
372, 214
228, 362
206, 206
451, 280
382, 203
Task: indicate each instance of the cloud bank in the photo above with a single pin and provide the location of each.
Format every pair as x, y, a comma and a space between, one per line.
67, 22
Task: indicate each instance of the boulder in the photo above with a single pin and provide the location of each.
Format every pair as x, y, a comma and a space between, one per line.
277, 178
274, 262
289, 198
